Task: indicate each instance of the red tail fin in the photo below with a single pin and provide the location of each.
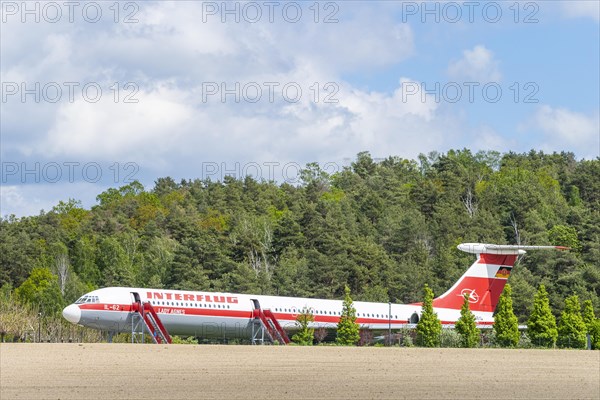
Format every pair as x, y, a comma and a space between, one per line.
483, 282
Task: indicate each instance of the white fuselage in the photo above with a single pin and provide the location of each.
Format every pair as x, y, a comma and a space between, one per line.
229, 315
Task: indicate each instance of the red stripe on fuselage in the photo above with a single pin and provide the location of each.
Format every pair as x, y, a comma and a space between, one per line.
211, 312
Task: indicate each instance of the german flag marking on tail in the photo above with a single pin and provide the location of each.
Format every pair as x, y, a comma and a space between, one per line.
503, 272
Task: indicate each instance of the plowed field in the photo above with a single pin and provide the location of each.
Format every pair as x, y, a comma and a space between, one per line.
121, 371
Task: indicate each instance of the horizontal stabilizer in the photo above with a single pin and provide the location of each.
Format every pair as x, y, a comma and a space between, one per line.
479, 248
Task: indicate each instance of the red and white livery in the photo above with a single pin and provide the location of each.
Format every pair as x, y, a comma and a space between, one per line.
231, 315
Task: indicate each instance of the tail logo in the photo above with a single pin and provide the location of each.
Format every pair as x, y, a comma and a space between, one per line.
473, 296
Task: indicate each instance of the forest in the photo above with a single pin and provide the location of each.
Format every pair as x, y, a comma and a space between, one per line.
384, 228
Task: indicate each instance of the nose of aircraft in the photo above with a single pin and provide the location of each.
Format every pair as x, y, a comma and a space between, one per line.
72, 313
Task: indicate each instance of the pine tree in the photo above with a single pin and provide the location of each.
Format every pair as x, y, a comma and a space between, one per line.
592, 324
429, 327
347, 329
466, 326
588, 315
506, 324
541, 327
305, 335
595, 333
571, 328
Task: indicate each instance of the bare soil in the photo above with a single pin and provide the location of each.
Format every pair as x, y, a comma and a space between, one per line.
123, 371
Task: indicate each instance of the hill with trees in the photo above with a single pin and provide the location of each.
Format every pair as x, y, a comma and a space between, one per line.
383, 228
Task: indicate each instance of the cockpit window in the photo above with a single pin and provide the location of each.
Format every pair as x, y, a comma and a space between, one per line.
87, 299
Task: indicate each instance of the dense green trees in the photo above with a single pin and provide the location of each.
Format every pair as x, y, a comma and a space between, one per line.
466, 326
348, 331
506, 325
382, 227
429, 327
541, 327
41, 289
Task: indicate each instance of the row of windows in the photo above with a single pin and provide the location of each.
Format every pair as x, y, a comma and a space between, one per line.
376, 315
286, 310
182, 304
87, 299
319, 312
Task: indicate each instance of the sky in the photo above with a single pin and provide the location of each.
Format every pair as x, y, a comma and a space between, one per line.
98, 94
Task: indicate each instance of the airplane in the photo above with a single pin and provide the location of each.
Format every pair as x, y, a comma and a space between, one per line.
230, 315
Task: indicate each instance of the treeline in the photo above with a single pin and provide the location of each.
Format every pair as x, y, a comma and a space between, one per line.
383, 228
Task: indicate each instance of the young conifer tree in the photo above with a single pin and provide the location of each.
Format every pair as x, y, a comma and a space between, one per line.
588, 315
466, 326
592, 324
429, 327
305, 335
348, 331
541, 326
571, 328
506, 324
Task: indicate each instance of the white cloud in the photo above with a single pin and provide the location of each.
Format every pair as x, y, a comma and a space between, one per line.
169, 126
109, 130
477, 65
564, 129
170, 53
582, 8
486, 138
25, 200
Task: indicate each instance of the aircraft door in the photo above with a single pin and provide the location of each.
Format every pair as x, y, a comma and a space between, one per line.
414, 318
136, 297
255, 304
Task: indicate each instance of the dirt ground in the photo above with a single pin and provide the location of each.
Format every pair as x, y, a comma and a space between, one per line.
123, 371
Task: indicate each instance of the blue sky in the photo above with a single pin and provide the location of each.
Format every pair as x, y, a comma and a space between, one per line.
171, 88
